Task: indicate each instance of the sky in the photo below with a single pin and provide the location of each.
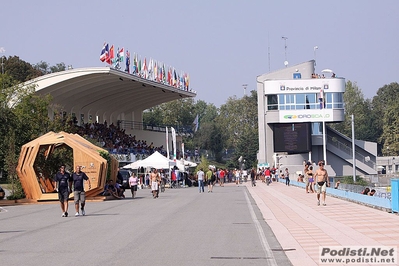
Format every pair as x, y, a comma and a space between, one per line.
221, 44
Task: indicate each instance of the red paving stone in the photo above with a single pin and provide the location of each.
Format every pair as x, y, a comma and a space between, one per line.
300, 224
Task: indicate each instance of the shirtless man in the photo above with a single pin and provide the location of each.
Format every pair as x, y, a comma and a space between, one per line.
322, 181
155, 178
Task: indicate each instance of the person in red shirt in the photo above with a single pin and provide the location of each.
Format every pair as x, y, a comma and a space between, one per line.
267, 175
174, 179
221, 177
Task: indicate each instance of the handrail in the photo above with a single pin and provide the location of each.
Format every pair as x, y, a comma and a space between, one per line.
348, 150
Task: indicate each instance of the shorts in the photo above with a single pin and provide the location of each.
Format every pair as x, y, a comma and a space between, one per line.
133, 188
321, 188
79, 196
154, 185
63, 195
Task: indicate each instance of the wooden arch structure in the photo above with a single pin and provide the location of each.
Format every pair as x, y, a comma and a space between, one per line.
85, 154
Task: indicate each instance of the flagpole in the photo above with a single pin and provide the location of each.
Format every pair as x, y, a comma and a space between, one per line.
324, 137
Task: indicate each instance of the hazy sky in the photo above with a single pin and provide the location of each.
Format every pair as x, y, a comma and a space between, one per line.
222, 44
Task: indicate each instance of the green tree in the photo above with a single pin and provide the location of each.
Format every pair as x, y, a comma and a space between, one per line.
20, 70
387, 97
362, 110
239, 120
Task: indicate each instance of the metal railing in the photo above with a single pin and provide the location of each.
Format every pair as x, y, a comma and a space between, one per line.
348, 150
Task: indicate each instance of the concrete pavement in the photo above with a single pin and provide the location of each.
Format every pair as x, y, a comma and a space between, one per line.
301, 226
181, 227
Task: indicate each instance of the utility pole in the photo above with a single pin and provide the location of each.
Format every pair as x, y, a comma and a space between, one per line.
2, 50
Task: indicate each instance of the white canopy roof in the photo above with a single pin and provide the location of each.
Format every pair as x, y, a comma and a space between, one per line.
155, 160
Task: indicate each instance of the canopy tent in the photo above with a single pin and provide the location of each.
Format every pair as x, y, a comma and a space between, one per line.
181, 164
155, 160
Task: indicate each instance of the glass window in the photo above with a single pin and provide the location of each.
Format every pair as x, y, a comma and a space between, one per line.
289, 98
272, 103
300, 101
317, 128
281, 101
311, 101
338, 100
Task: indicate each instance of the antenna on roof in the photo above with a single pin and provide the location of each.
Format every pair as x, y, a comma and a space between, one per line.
268, 49
285, 50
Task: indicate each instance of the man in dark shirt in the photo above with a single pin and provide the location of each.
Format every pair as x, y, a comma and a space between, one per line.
78, 189
63, 183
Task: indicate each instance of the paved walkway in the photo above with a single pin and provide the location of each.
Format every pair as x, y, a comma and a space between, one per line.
301, 226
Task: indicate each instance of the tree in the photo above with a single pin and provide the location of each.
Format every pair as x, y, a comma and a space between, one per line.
20, 70
362, 110
58, 67
239, 120
383, 103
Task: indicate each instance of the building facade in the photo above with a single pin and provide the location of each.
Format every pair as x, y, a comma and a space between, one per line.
294, 109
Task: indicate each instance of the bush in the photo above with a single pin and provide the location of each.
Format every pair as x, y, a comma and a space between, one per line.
18, 191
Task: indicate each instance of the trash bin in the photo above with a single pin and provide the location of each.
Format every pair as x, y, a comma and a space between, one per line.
395, 195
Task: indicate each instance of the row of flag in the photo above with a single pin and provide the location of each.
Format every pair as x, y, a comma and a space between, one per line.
151, 70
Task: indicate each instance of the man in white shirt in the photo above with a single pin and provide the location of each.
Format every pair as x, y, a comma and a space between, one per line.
200, 178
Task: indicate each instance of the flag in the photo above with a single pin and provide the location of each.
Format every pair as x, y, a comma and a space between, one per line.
127, 62
151, 70
196, 123
145, 70
110, 56
121, 54
135, 64
139, 68
163, 74
104, 52
321, 99
167, 143
174, 143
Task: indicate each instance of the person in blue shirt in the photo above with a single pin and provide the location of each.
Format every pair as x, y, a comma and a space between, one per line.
78, 178
63, 183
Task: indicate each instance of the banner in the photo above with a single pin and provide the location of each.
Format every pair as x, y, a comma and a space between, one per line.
167, 143
174, 143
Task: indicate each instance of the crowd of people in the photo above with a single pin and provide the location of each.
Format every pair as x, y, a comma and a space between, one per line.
115, 140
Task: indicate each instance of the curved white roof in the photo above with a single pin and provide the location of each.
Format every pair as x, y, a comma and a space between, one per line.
105, 90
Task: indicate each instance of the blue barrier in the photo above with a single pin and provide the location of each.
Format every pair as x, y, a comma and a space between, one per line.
395, 194
357, 197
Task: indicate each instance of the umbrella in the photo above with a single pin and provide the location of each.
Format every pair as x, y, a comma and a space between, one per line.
327, 71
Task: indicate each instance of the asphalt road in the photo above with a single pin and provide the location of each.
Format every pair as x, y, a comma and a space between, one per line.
181, 227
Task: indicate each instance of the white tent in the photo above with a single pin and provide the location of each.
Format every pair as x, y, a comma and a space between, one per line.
181, 164
155, 160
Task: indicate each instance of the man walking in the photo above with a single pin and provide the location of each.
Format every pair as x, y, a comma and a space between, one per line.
200, 178
210, 179
154, 177
63, 185
322, 180
78, 189
287, 177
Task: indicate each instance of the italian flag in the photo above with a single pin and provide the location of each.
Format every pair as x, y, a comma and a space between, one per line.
121, 54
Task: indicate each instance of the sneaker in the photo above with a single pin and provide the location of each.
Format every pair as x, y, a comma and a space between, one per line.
63, 214
66, 214
318, 203
324, 204
83, 212
77, 214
